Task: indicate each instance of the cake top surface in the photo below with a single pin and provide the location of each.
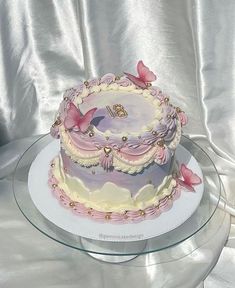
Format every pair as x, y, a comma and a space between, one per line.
136, 111
121, 123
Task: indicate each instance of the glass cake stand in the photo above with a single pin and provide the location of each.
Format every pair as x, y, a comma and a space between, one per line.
117, 252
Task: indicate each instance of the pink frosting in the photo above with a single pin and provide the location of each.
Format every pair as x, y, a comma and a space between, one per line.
163, 154
183, 118
112, 217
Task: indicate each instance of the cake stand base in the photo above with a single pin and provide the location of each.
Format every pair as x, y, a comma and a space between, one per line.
112, 248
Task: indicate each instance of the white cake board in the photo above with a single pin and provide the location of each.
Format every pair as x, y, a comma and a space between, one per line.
49, 206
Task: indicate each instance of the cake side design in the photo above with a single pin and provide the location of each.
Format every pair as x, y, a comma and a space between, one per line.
110, 196
127, 216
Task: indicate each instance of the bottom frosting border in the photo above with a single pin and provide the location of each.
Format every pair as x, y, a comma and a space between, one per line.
128, 216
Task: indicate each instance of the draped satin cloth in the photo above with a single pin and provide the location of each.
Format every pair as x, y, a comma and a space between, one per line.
47, 46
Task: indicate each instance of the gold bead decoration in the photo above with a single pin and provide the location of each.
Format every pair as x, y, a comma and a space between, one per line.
124, 138
52, 164
154, 132
91, 134
108, 216
71, 204
142, 213
86, 83
54, 185
90, 211
149, 84
160, 143
178, 110
66, 98
170, 196
117, 78
168, 116
166, 99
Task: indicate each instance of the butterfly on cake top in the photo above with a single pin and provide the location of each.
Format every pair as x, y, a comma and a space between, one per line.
118, 136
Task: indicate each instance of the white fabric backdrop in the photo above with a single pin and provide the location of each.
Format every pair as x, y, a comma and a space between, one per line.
46, 46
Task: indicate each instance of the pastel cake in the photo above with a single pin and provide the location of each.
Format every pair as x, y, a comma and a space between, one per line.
118, 136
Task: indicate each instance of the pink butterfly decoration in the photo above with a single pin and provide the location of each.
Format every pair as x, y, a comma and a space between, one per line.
145, 76
189, 178
75, 120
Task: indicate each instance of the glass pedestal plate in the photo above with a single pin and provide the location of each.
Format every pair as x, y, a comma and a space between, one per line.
143, 253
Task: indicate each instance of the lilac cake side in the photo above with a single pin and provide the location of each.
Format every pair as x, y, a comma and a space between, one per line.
117, 148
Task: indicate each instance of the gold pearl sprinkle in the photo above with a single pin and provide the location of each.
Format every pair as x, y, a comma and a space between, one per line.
90, 211
142, 213
54, 185
168, 116
166, 99
91, 134
160, 143
86, 83
66, 98
149, 84
178, 110
72, 204
125, 215
52, 164
108, 216
154, 132
169, 197
124, 138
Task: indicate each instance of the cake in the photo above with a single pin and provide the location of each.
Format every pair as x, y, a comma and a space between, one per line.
118, 136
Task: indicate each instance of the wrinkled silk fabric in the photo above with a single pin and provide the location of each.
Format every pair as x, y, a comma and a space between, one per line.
47, 46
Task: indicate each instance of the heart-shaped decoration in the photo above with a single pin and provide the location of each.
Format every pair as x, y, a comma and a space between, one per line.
107, 150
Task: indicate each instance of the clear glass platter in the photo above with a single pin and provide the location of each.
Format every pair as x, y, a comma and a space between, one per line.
206, 209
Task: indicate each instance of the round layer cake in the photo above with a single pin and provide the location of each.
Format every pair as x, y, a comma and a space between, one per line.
117, 146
